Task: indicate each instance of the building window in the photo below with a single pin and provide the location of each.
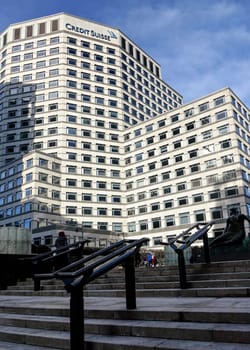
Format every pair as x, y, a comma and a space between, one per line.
231, 191
184, 218
143, 225
71, 210
214, 194
180, 172
183, 201
181, 186
102, 226
29, 31
54, 25
17, 33
116, 212
221, 115
198, 198
87, 211
170, 220
225, 144
87, 224
216, 213
101, 211
219, 100
200, 215
176, 131
177, 144
41, 29
156, 223
169, 203
203, 107
194, 168
191, 140
72, 196
101, 184
155, 206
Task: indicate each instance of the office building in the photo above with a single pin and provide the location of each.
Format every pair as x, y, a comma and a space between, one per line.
91, 135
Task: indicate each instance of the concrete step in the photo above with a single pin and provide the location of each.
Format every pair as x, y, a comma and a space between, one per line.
209, 309
192, 292
60, 340
102, 342
214, 313
36, 337
172, 323
60, 290
196, 281
197, 331
14, 346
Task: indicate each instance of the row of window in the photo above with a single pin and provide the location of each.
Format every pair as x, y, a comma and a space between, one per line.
214, 179
184, 170
139, 56
33, 56
189, 126
88, 44
20, 209
112, 125
56, 181
185, 200
55, 194
100, 225
132, 82
31, 30
153, 179
184, 218
155, 223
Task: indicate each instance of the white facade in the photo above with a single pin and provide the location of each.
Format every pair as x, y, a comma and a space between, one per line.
91, 134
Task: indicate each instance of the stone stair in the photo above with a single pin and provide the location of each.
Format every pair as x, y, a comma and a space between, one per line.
226, 279
213, 314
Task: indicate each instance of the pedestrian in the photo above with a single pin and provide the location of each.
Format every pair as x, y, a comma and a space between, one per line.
149, 259
61, 240
61, 258
154, 261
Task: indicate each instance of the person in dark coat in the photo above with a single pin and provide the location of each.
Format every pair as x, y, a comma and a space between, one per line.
61, 259
61, 240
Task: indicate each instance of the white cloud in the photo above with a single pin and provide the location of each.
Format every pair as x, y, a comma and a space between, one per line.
201, 46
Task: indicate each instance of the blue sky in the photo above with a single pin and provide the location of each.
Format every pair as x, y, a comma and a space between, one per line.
202, 46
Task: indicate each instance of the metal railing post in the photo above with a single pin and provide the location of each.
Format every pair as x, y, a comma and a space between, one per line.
130, 283
76, 318
182, 269
37, 284
206, 248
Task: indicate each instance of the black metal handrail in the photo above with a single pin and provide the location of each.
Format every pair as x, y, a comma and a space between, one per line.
55, 259
74, 265
76, 275
184, 240
63, 250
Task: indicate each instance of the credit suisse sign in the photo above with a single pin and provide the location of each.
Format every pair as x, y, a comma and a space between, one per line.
109, 35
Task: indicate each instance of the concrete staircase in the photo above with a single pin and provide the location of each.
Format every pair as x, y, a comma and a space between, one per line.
214, 313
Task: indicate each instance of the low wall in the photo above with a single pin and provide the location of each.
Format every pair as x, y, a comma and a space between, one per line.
15, 240
171, 257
